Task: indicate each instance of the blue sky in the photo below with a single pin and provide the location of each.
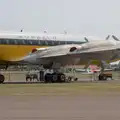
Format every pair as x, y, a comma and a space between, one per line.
89, 17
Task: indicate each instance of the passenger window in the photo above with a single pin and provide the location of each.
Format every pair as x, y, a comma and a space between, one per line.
34, 42
53, 43
7, 42
59, 42
19, 42
77, 42
39, 42
46, 42
27, 42
42, 42
15, 42
3, 41
62, 42
11, 42
70, 42
30, 42
49, 42
23, 42
56, 43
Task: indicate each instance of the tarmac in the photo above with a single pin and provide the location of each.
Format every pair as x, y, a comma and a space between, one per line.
60, 108
20, 76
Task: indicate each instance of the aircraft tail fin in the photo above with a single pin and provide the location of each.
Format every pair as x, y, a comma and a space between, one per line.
115, 38
107, 38
86, 39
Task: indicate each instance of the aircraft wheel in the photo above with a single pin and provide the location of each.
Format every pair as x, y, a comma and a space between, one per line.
108, 78
2, 78
61, 77
54, 77
76, 79
48, 77
69, 79
28, 79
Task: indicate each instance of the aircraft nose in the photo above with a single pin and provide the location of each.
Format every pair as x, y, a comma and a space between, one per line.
29, 59
26, 59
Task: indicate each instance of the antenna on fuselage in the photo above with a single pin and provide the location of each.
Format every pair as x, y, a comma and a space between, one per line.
21, 30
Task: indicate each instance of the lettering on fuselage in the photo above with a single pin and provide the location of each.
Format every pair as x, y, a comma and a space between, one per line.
38, 37
37, 40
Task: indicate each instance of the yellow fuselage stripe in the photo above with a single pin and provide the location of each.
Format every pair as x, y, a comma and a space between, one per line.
12, 52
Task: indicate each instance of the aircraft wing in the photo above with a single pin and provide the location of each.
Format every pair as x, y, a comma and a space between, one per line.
43, 55
99, 49
53, 54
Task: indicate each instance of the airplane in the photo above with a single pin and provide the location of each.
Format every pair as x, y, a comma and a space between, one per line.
52, 50
62, 55
16, 45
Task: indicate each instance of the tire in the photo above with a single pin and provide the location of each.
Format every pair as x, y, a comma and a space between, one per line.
35, 77
54, 77
69, 78
2, 78
76, 79
104, 78
28, 79
108, 78
61, 77
48, 78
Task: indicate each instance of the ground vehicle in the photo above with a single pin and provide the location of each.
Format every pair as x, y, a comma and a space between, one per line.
106, 75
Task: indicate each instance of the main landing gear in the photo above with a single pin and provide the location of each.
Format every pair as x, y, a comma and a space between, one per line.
46, 77
54, 77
